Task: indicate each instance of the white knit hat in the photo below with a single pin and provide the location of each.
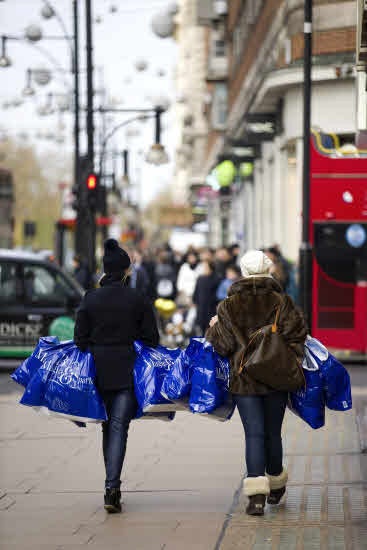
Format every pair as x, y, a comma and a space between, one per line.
255, 262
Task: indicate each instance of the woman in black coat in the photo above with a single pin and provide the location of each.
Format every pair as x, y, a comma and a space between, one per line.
108, 321
205, 296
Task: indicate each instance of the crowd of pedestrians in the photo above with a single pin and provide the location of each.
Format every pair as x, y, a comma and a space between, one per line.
196, 281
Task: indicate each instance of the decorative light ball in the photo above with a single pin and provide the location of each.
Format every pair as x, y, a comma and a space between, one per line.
246, 169
172, 8
33, 33
161, 72
141, 65
98, 19
225, 172
113, 8
163, 25
62, 102
47, 11
41, 76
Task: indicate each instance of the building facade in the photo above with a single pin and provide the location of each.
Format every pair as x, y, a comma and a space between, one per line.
191, 124
254, 108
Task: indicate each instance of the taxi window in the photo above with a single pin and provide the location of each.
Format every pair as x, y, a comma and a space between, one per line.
10, 283
43, 286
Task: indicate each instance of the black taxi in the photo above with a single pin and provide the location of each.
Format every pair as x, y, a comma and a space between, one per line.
37, 298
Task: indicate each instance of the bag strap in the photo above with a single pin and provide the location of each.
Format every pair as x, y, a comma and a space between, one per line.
274, 326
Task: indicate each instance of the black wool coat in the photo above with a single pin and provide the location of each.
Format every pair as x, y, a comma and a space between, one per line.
205, 299
108, 321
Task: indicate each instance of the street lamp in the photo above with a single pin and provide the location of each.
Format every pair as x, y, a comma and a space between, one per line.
28, 90
5, 60
157, 155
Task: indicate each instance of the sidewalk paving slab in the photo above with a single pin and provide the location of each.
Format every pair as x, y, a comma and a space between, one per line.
181, 483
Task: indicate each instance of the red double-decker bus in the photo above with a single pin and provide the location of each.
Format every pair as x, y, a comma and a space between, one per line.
339, 236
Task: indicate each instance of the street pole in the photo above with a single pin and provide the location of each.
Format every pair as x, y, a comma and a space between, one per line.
90, 132
306, 247
80, 225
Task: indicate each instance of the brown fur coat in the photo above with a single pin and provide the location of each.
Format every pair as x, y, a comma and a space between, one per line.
252, 304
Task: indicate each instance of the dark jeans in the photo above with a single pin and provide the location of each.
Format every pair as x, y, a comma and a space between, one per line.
121, 408
262, 418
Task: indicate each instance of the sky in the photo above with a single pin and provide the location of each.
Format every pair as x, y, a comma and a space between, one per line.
120, 40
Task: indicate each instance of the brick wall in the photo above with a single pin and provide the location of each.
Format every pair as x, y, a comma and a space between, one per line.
253, 44
326, 42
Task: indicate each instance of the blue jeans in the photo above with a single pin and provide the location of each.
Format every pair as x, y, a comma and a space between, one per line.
262, 418
121, 407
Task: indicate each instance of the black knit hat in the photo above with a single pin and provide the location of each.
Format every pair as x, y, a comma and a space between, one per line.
115, 259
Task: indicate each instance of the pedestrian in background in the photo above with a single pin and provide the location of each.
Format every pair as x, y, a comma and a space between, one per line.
205, 297
165, 276
187, 277
82, 272
223, 258
139, 278
108, 321
252, 303
233, 273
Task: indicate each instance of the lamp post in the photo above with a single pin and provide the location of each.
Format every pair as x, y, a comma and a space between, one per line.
305, 256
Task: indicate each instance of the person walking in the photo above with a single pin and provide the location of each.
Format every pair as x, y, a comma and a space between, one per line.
108, 321
253, 302
204, 296
187, 277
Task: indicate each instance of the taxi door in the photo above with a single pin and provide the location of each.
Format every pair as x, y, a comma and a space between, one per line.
12, 311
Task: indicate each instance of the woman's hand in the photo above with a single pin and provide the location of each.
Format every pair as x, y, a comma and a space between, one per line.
213, 320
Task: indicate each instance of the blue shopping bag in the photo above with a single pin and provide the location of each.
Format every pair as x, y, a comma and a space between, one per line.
309, 402
25, 371
177, 382
64, 385
335, 377
151, 367
210, 385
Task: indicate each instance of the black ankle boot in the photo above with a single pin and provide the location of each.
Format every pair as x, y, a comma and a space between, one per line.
112, 502
256, 505
275, 495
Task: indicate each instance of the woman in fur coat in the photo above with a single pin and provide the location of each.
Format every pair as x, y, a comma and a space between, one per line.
252, 303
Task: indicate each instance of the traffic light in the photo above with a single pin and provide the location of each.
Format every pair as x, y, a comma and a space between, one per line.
92, 186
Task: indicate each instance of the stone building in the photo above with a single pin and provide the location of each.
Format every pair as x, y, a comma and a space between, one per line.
254, 108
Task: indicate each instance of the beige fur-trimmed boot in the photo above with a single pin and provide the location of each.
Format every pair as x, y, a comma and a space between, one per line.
277, 486
256, 489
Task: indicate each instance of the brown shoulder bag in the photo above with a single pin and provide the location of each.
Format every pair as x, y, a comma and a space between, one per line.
269, 360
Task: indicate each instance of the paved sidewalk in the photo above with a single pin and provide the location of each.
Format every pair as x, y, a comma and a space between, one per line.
326, 502
181, 486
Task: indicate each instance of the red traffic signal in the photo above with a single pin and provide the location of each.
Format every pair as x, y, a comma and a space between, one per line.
92, 182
